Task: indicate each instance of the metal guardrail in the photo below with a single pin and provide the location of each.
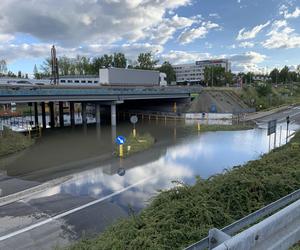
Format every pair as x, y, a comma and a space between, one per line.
250, 219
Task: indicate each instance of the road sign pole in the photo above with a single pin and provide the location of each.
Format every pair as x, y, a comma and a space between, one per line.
134, 131
198, 127
287, 127
121, 151
275, 139
280, 136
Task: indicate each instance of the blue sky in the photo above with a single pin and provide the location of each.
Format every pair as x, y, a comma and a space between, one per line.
256, 35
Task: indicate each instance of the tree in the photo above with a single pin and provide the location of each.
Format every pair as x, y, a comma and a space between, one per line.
284, 74
264, 89
46, 67
228, 77
119, 60
107, 60
274, 74
249, 77
146, 61
3, 67
214, 76
36, 72
168, 69
19, 74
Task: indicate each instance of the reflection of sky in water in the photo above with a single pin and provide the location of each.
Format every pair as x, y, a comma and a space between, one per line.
204, 155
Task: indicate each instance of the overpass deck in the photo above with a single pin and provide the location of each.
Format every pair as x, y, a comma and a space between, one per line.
16, 94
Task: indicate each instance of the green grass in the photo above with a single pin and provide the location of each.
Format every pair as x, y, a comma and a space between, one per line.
180, 216
281, 95
12, 142
136, 144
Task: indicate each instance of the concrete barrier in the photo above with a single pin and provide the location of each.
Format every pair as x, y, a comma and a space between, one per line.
210, 116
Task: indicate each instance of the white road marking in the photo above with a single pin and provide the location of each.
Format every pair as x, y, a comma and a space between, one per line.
26, 229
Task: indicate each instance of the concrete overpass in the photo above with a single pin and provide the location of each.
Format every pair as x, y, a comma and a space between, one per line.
48, 95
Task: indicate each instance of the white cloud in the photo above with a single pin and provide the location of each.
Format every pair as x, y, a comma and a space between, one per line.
246, 45
77, 22
4, 38
178, 57
165, 30
282, 36
215, 15
245, 35
286, 14
247, 62
189, 35
12, 52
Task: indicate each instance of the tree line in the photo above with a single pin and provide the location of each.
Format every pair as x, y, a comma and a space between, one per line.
217, 76
83, 65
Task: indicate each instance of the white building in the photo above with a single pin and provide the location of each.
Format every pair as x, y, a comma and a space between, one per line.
194, 72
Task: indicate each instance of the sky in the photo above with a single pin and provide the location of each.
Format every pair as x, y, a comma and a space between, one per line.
255, 35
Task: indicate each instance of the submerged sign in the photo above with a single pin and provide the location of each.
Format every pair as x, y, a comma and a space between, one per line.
272, 127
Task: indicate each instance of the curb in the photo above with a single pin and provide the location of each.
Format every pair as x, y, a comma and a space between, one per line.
31, 191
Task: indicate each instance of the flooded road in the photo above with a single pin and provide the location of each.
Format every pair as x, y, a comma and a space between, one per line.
97, 192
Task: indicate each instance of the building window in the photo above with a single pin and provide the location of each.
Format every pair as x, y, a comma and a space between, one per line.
62, 81
70, 81
83, 81
76, 81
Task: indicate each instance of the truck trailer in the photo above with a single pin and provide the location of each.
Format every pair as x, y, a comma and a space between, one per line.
131, 77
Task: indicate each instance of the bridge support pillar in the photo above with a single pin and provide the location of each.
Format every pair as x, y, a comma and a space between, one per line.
98, 115
113, 114
72, 114
61, 114
36, 115
83, 113
51, 110
43, 115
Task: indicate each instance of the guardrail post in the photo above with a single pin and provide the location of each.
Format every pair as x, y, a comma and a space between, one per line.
216, 237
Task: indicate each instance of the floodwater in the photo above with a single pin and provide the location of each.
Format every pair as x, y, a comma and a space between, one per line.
100, 187
180, 153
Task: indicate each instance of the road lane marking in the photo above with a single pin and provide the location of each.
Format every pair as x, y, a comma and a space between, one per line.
41, 223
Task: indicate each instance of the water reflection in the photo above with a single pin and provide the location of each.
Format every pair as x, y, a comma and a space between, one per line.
203, 155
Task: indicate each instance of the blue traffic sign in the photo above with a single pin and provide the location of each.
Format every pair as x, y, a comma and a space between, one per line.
120, 140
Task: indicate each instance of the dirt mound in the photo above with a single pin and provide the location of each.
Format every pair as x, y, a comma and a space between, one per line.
221, 101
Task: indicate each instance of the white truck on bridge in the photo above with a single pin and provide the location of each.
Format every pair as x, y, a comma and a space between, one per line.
131, 77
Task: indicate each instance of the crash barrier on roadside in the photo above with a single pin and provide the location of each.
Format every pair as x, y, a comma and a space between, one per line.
278, 231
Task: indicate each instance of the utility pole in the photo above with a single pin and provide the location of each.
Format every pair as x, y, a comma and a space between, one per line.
212, 76
54, 66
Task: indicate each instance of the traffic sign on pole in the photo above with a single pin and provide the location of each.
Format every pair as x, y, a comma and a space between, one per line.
120, 140
272, 127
